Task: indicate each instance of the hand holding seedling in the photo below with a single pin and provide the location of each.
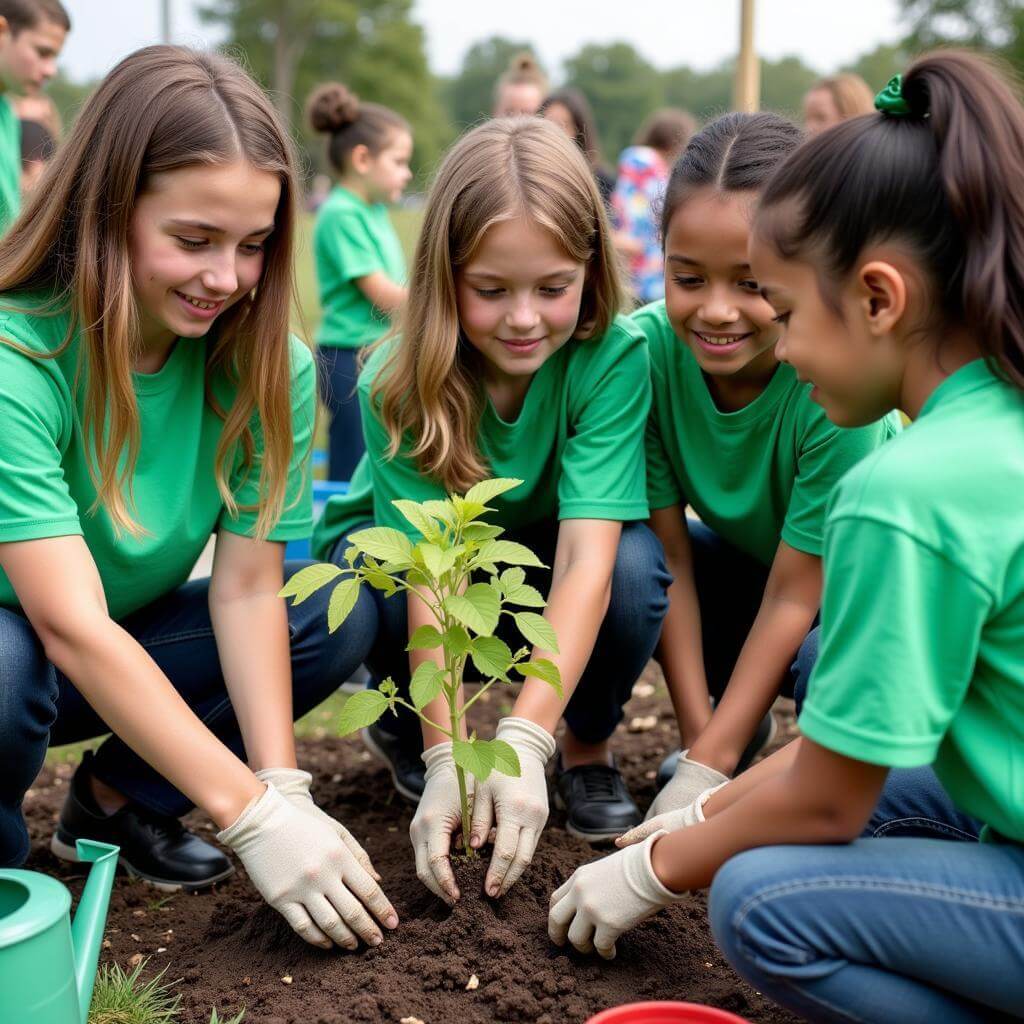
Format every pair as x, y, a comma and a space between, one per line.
439, 570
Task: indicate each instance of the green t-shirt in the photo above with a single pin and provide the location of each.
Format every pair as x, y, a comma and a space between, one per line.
577, 444
922, 621
10, 164
46, 489
353, 238
756, 476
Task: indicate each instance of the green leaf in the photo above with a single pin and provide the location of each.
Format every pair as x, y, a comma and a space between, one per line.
486, 490
425, 684
481, 531
467, 511
491, 656
351, 554
525, 595
440, 510
425, 638
456, 642
541, 668
437, 560
506, 760
537, 630
387, 687
343, 600
477, 609
360, 710
378, 579
512, 578
384, 543
308, 581
415, 514
508, 551
474, 756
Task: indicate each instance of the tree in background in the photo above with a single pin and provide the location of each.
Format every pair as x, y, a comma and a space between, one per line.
996, 25
878, 66
469, 95
622, 87
372, 46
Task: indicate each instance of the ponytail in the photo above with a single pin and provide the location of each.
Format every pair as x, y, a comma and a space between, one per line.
944, 178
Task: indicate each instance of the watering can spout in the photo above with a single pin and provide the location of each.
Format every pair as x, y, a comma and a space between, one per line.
91, 916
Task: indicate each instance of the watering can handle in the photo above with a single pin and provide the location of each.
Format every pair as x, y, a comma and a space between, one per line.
91, 916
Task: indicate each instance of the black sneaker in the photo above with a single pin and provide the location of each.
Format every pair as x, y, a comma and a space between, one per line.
596, 801
762, 738
405, 764
154, 847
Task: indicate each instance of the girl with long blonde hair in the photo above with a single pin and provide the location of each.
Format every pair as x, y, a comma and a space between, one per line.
150, 397
513, 361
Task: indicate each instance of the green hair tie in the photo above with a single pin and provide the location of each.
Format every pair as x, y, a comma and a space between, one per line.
890, 100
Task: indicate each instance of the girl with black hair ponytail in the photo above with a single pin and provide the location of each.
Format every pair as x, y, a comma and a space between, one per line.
892, 250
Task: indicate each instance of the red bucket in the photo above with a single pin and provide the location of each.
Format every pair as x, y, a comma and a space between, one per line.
665, 1013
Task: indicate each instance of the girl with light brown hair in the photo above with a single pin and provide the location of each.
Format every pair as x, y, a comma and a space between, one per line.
521, 88
513, 361
833, 100
151, 397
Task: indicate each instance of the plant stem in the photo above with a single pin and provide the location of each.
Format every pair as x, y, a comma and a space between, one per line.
463, 794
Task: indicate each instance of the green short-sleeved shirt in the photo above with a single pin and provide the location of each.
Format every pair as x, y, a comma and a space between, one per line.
10, 164
353, 238
46, 490
577, 444
756, 476
922, 622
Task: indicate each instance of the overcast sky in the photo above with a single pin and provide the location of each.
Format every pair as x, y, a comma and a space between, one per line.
700, 33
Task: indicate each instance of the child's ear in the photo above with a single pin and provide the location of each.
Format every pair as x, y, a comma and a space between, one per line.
882, 294
360, 158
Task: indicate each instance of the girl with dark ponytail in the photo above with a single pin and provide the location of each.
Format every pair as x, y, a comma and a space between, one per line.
892, 249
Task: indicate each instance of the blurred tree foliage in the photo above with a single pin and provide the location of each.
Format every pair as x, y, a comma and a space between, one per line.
996, 25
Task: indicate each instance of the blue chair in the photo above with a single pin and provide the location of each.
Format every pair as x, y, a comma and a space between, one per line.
322, 490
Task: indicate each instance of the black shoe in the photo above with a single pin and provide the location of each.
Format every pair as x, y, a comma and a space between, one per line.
596, 801
764, 736
405, 764
155, 847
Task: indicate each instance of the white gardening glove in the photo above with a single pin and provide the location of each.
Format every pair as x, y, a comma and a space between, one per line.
691, 778
302, 869
438, 815
518, 806
691, 814
294, 785
604, 899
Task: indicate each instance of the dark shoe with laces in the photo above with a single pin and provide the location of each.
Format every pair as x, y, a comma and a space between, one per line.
154, 847
596, 801
403, 761
762, 738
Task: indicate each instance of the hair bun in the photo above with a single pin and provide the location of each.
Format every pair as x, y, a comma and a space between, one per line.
332, 107
523, 63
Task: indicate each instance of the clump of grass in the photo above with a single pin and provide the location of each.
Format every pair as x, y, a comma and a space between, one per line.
124, 997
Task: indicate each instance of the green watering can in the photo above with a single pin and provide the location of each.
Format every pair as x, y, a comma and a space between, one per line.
48, 961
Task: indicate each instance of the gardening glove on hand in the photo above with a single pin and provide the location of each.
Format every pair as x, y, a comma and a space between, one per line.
438, 815
691, 814
604, 899
302, 869
518, 806
691, 778
294, 785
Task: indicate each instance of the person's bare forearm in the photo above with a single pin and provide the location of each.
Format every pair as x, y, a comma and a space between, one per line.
137, 701
385, 294
742, 785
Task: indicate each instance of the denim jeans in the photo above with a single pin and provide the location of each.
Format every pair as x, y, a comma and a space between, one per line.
917, 923
339, 372
624, 645
40, 707
730, 587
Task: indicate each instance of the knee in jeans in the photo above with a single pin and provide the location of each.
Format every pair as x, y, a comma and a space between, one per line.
804, 665
640, 579
28, 693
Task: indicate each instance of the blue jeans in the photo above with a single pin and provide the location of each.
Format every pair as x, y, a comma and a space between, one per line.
624, 643
40, 707
918, 923
339, 372
730, 587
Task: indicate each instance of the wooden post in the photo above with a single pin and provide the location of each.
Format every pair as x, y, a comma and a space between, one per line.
747, 92
165, 21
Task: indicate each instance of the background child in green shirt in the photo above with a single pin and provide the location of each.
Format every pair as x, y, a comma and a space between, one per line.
150, 396
734, 434
891, 248
513, 362
32, 34
360, 266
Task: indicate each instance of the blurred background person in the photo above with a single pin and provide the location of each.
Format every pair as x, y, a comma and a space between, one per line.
39, 107
521, 88
569, 109
835, 99
643, 173
37, 147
